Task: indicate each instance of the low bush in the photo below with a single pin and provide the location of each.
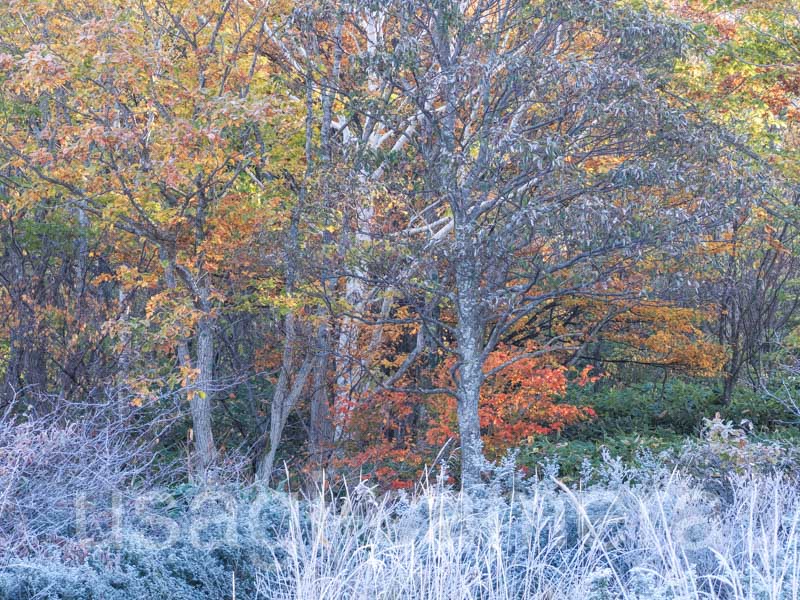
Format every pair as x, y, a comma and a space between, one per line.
676, 405
725, 451
573, 455
655, 418
80, 454
185, 544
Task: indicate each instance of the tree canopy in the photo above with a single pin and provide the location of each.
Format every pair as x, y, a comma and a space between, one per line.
373, 232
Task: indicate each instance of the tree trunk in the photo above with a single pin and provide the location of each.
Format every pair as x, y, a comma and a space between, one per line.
469, 336
321, 427
200, 391
469, 389
200, 401
11, 380
286, 395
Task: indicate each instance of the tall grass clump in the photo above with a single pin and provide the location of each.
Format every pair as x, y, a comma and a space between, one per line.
634, 533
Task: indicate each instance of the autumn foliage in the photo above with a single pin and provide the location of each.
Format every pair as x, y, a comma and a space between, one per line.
356, 237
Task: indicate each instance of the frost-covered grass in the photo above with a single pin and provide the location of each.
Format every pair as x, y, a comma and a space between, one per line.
717, 520
659, 538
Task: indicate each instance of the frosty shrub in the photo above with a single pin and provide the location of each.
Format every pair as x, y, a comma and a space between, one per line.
187, 544
57, 468
726, 451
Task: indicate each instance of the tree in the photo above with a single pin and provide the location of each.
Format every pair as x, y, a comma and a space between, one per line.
152, 128
537, 151
740, 75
